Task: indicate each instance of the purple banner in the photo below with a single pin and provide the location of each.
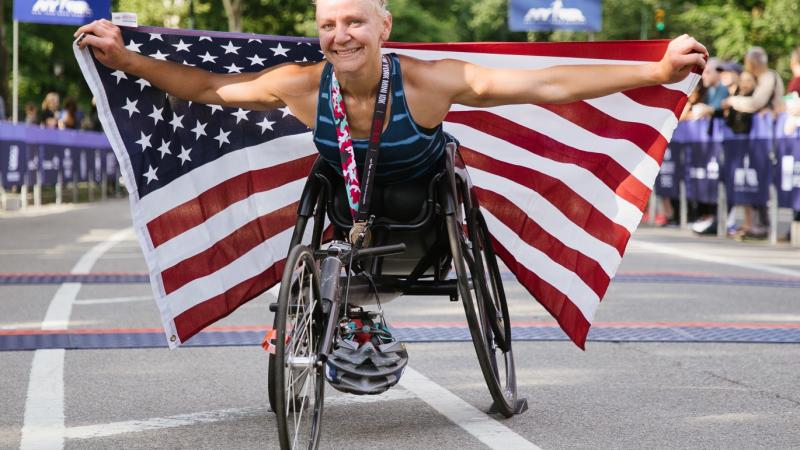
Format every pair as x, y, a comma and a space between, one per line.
670, 173
701, 157
748, 170
29, 153
787, 169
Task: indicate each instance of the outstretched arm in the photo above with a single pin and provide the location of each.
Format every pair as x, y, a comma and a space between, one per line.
473, 85
254, 90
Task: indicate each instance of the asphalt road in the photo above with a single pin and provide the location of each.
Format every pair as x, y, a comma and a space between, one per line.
624, 392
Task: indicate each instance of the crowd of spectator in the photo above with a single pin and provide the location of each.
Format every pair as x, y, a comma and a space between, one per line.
736, 92
53, 113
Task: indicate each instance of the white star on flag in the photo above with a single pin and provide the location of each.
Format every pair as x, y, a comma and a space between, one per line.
254, 40
286, 112
264, 124
222, 138
156, 36
156, 114
142, 83
279, 50
230, 48
187, 64
233, 68
214, 108
256, 60
164, 149
151, 175
181, 46
144, 141
199, 130
160, 56
208, 57
130, 106
176, 122
134, 47
240, 115
206, 38
119, 75
184, 155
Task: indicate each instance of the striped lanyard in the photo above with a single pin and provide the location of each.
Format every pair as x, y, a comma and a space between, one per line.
358, 196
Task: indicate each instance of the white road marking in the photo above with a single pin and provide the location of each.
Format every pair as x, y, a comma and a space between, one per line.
220, 415
475, 422
110, 301
698, 256
43, 425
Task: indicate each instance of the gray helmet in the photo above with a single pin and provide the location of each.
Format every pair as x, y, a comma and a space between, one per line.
366, 368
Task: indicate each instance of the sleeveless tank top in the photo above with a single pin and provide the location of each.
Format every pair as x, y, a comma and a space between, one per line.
407, 150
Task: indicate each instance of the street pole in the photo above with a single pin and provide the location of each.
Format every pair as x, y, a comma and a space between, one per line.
15, 70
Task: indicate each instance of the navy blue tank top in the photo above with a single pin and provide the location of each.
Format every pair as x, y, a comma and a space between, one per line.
407, 150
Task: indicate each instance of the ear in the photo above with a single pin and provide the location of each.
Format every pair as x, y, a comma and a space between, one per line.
387, 27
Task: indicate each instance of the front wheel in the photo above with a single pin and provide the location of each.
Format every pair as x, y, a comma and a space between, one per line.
297, 380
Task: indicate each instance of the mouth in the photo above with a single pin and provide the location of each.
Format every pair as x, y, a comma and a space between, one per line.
348, 52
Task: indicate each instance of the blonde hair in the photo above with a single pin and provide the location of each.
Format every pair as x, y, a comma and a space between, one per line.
382, 5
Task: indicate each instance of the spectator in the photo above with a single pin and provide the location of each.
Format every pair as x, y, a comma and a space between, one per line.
70, 116
768, 95
694, 98
716, 91
50, 110
31, 114
794, 83
91, 121
2, 108
729, 75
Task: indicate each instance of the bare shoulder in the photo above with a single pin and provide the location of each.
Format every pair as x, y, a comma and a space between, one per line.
435, 74
293, 79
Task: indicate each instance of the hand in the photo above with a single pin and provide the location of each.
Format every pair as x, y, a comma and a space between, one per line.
683, 53
725, 103
105, 39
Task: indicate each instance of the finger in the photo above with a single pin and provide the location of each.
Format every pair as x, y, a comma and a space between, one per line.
88, 28
91, 41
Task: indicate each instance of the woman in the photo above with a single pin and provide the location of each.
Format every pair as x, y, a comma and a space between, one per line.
351, 34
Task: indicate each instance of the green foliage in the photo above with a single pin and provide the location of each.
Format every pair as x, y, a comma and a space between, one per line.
727, 27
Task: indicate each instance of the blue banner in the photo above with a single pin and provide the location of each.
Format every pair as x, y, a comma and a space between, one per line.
701, 156
670, 173
546, 15
61, 12
747, 163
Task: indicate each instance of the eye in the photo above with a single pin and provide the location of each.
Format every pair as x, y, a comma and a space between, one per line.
356, 22
327, 27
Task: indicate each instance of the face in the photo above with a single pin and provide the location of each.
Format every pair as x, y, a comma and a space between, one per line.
747, 83
710, 75
351, 33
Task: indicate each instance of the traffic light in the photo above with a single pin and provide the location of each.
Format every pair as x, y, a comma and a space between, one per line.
659, 16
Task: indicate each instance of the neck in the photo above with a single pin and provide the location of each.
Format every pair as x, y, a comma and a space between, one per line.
361, 84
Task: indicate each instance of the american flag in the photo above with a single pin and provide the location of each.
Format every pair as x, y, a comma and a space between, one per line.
214, 191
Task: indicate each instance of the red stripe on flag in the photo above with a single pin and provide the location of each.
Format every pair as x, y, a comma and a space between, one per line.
616, 50
537, 237
568, 316
659, 97
555, 191
196, 211
613, 175
194, 319
230, 248
592, 119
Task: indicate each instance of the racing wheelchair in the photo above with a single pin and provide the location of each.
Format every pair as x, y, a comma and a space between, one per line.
422, 233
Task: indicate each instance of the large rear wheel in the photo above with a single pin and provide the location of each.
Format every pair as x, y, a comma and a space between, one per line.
297, 381
481, 291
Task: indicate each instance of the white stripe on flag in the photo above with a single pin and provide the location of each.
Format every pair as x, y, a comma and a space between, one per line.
566, 281
624, 108
497, 60
686, 85
245, 267
205, 235
550, 218
580, 180
624, 152
199, 180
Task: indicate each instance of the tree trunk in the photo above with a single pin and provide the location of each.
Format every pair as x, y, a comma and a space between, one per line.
4, 80
233, 8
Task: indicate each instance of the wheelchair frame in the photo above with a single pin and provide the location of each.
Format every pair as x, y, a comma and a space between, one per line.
309, 305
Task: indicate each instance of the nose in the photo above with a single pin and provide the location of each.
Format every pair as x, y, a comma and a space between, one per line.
341, 35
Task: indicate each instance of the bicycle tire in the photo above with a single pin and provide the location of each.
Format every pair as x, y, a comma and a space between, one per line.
296, 379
